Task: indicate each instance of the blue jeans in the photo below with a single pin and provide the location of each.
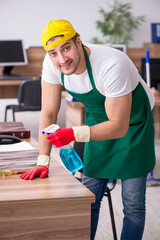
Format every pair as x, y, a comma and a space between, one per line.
133, 198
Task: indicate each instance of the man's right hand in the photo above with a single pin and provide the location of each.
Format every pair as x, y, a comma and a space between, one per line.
40, 170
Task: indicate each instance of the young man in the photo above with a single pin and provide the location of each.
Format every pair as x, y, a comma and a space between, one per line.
118, 131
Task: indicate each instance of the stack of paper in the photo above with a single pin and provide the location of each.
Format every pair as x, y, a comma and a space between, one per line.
19, 156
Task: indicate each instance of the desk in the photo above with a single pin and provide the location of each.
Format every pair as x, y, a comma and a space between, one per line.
157, 118
56, 207
9, 88
75, 112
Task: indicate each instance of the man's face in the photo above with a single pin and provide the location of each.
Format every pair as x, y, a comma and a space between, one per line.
66, 57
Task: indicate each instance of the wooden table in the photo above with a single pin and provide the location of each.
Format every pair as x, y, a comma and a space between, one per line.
56, 207
75, 112
9, 88
157, 118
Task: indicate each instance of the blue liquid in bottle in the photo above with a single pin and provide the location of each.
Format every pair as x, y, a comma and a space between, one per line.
70, 159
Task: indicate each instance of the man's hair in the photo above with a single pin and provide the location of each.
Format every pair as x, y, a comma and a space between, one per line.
75, 38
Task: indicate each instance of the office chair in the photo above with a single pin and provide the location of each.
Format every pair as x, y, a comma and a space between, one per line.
29, 98
155, 82
79, 148
154, 71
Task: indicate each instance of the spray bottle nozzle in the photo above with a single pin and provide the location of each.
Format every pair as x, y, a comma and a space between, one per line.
51, 129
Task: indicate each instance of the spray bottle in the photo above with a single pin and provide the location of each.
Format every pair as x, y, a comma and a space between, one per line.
68, 155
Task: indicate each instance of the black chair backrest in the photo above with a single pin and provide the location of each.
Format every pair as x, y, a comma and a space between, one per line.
29, 93
79, 148
154, 71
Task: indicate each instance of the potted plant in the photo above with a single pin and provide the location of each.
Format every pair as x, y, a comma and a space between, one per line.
117, 25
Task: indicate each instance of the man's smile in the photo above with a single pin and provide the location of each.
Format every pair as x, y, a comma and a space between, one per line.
66, 65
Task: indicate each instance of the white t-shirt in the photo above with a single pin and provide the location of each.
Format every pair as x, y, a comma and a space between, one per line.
114, 74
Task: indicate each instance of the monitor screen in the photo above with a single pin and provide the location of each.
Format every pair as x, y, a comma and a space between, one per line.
12, 53
120, 47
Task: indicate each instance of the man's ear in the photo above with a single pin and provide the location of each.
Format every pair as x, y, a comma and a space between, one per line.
79, 43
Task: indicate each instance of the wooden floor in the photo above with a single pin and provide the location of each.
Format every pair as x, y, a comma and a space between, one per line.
152, 230
104, 231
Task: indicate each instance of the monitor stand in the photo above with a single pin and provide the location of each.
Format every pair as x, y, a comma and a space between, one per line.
7, 70
6, 74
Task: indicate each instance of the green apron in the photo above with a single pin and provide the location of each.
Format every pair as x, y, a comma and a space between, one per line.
129, 157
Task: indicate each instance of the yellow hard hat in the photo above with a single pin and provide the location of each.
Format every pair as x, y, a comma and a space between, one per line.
57, 28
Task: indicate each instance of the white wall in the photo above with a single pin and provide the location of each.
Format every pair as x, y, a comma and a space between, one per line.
25, 19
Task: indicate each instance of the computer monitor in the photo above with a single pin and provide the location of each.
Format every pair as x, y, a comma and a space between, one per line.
154, 71
12, 53
121, 47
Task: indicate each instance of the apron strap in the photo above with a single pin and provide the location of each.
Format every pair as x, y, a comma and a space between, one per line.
62, 78
89, 70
